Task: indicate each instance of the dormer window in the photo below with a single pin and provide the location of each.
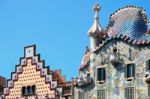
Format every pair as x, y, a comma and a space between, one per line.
148, 65
115, 50
114, 56
101, 75
130, 71
88, 75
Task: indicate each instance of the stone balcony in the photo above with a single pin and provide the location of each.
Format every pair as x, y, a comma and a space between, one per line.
67, 92
82, 81
67, 89
114, 58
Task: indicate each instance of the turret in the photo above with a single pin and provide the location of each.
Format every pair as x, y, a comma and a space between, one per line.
96, 32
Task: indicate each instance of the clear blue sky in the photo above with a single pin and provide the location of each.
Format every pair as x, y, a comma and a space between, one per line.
58, 28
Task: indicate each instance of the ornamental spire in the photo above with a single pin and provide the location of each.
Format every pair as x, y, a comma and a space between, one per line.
96, 32
96, 9
96, 29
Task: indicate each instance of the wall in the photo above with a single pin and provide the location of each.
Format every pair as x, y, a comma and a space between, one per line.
115, 77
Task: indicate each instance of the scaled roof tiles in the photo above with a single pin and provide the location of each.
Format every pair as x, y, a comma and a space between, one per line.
85, 60
128, 24
130, 21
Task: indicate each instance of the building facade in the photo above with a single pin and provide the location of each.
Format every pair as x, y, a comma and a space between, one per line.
33, 80
2, 84
117, 64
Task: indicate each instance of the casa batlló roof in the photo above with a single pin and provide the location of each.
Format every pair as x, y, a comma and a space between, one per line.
129, 24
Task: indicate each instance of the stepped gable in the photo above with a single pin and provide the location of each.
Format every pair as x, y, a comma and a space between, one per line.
31, 59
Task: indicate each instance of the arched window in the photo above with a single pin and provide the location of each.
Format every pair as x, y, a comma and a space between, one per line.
28, 90
33, 89
23, 90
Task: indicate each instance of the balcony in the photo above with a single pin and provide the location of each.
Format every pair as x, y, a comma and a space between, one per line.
114, 58
67, 92
147, 77
82, 81
67, 89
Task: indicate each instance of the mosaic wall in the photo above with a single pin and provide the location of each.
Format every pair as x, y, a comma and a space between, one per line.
128, 33
116, 81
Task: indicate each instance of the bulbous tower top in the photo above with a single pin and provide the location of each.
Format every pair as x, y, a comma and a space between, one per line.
96, 28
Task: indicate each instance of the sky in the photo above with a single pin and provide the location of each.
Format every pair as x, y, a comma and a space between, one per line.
57, 27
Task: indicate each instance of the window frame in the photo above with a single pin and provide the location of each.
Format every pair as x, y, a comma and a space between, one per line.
101, 81
101, 92
130, 95
148, 92
28, 90
148, 65
23, 90
81, 95
130, 75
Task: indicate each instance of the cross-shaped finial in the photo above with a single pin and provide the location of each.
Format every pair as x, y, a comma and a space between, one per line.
96, 9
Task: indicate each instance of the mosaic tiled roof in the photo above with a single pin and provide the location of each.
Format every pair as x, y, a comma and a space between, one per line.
130, 22
85, 60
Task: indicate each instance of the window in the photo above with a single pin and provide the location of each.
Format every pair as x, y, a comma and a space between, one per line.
29, 90
130, 70
101, 74
115, 50
23, 90
129, 93
148, 91
130, 54
86, 95
81, 95
33, 89
67, 90
101, 94
148, 65
88, 74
